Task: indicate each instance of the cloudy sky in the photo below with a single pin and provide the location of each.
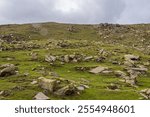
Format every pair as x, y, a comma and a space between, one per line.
75, 11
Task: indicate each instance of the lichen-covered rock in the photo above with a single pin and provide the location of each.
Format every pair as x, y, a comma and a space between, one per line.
50, 58
7, 70
67, 90
48, 84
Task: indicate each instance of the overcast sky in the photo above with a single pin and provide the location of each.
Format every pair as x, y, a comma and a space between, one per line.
75, 11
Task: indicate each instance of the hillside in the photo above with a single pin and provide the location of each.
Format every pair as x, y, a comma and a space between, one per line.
72, 61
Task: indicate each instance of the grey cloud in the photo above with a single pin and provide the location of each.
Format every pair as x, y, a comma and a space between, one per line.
87, 11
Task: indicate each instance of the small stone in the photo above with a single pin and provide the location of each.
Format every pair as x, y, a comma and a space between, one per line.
80, 88
41, 96
26, 74
1, 92
34, 82
113, 86
107, 72
148, 92
88, 58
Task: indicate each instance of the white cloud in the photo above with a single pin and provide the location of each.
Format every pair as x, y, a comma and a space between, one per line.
75, 11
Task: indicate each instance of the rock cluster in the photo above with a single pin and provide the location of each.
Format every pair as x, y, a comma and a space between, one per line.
132, 69
60, 87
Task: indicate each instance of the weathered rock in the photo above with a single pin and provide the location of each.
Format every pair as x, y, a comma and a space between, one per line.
6, 93
89, 58
113, 86
145, 93
131, 57
140, 69
129, 63
115, 62
120, 74
146, 63
107, 72
68, 90
48, 84
131, 82
1, 92
34, 82
66, 58
34, 56
41, 96
80, 88
100, 59
50, 58
7, 70
98, 70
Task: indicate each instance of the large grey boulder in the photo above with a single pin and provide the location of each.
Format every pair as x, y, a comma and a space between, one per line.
7, 70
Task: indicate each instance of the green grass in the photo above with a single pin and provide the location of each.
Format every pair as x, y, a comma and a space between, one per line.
85, 41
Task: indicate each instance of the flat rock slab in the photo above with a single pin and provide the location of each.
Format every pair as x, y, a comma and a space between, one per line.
41, 96
98, 70
131, 57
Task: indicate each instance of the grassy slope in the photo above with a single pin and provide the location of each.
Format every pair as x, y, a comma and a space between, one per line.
89, 40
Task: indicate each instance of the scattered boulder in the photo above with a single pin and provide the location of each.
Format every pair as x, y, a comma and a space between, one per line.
34, 82
120, 74
113, 86
145, 93
6, 93
81, 88
107, 72
130, 60
34, 56
142, 69
100, 59
41, 96
89, 58
68, 90
130, 57
98, 70
66, 58
48, 84
8, 70
50, 58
